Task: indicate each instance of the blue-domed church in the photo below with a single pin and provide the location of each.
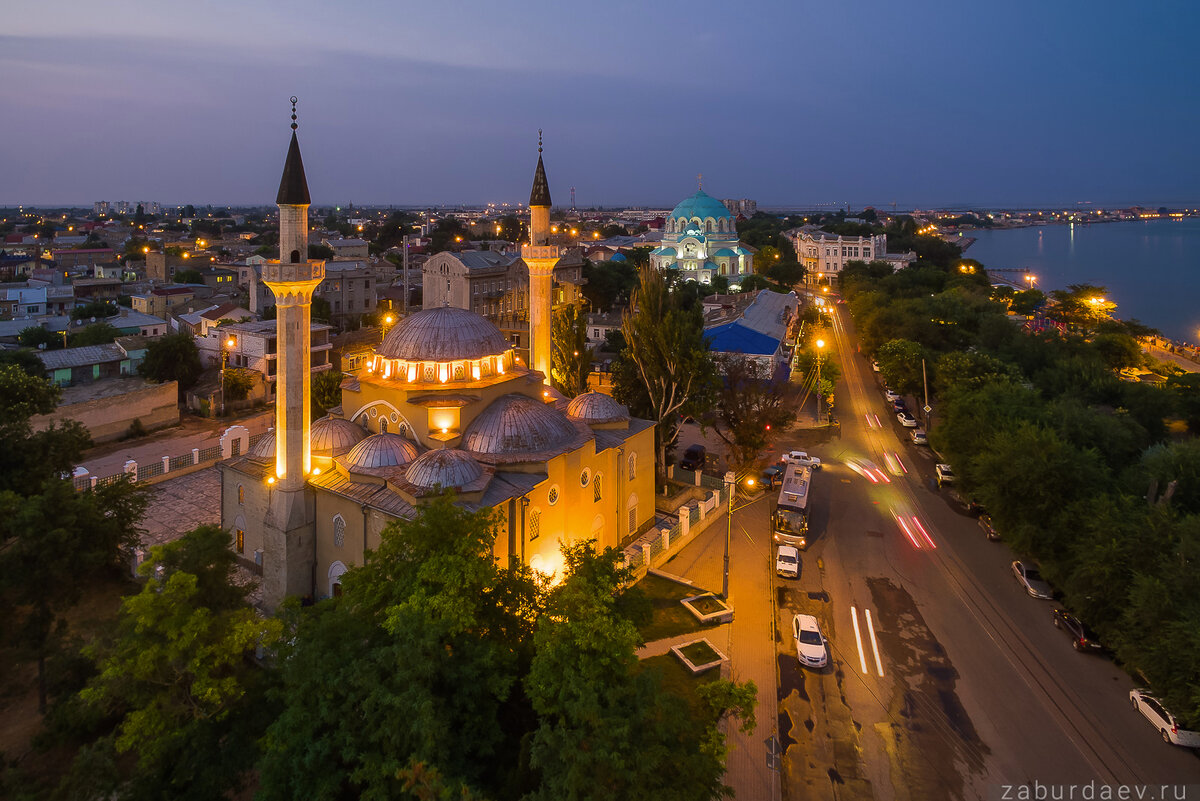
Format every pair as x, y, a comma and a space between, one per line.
700, 239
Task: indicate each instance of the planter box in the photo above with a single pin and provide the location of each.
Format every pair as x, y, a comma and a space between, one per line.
694, 668
708, 608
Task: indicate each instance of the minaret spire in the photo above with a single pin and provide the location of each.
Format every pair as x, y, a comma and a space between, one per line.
540, 257
293, 186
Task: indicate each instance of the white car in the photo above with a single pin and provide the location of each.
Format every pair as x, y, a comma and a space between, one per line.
875, 365
945, 475
787, 561
1164, 721
803, 459
906, 419
891, 396
1030, 578
810, 643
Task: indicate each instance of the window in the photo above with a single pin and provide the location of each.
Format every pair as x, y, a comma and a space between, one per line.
632, 466
239, 538
596, 489
339, 530
633, 518
552, 496
585, 477
382, 426
535, 524
241, 496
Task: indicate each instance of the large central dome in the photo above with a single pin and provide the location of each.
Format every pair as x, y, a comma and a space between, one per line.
443, 334
703, 206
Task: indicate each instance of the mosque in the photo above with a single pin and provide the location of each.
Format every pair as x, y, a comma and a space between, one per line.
443, 403
700, 239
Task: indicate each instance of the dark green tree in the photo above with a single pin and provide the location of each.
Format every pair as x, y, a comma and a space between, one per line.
94, 334
570, 356
752, 407
174, 357
326, 392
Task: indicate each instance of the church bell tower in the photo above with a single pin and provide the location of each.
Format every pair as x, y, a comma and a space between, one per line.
540, 256
288, 531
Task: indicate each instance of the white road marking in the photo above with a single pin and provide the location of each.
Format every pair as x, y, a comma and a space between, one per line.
874, 644
862, 655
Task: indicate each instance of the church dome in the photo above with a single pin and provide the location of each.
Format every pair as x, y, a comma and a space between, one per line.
265, 447
443, 468
443, 334
382, 450
333, 436
517, 425
701, 205
596, 407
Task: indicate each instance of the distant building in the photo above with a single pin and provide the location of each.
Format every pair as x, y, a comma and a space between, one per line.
752, 325
255, 347
701, 241
85, 257
348, 249
159, 302
100, 207
824, 255
744, 207
89, 289
161, 267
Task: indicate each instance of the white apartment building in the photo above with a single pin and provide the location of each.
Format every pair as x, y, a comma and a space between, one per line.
824, 255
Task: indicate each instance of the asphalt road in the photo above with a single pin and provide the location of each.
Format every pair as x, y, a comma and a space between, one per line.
946, 681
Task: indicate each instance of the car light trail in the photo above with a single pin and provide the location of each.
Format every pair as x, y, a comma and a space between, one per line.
877, 421
908, 532
874, 644
862, 655
924, 533
901, 463
867, 417
882, 476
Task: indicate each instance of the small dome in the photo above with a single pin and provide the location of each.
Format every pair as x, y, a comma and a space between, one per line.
618, 257
333, 436
724, 253
443, 468
515, 425
443, 334
701, 205
596, 407
382, 450
265, 447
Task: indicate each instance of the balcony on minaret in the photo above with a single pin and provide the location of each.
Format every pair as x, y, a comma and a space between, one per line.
540, 252
275, 271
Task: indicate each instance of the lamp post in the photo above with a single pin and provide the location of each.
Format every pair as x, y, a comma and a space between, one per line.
729, 510
226, 346
820, 345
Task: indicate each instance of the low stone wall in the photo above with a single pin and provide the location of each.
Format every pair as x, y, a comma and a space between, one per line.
108, 408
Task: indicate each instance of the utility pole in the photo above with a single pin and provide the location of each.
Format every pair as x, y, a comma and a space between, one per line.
406, 275
928, 408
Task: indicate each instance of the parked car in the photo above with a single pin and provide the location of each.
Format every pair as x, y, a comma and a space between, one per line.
906, 420
787, 561
1082, 638
1030, 578
803, 459
810, 643
891, 396
989, 530
693, 457
919, 437
1153, 710
945, 474
772, 476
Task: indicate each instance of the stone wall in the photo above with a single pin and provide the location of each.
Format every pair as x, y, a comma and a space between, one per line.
108, 408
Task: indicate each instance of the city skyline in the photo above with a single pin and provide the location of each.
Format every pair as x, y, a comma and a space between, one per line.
788, 105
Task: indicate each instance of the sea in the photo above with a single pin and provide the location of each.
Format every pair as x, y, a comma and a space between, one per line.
1149, 268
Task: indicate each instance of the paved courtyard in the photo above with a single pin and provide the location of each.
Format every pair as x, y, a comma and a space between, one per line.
179, 505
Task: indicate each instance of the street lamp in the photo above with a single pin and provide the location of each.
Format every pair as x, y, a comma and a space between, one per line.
729, 510
226, 346
820, 345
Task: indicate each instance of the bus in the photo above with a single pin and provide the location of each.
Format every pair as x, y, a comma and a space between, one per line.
789, 522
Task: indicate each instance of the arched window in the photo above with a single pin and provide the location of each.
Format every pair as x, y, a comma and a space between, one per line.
535, 524
239, 540
335, 579
632, 466
382, 426
241, 494
596, 488
295, 257
632, 507
339, 530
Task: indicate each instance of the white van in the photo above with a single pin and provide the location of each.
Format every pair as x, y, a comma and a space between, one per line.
787, 561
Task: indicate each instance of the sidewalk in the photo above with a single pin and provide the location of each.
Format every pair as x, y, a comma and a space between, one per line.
194, 432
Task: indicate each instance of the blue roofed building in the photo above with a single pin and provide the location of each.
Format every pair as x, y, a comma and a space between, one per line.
700, 240
754, 325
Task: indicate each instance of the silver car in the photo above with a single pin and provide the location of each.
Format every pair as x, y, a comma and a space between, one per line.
1168, 728
1030, 578
810, 643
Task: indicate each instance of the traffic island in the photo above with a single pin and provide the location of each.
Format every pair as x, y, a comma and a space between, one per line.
708, 608
698, 656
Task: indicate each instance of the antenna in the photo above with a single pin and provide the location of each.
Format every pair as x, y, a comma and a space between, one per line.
572, 198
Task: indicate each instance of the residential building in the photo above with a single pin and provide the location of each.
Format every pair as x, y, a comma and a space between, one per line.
348, 249
753, 325
255, 347
84, 257
159, 302
823, 255
741, 208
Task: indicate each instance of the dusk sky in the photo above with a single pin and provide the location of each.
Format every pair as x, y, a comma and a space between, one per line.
788, 103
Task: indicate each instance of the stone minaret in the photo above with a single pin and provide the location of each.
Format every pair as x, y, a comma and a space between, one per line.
540, 256
288, 531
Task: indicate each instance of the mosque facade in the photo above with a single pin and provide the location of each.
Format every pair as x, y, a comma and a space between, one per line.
700, 240
443, 404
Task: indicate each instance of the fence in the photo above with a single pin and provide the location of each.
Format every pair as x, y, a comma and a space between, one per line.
657, 544
234, 441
